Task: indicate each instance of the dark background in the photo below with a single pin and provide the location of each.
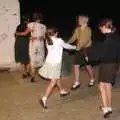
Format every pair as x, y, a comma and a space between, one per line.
62, 13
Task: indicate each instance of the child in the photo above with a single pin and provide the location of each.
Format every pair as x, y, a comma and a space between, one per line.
109, 62
52, 67
82, 38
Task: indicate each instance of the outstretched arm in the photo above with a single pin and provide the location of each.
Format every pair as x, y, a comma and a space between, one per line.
67, 46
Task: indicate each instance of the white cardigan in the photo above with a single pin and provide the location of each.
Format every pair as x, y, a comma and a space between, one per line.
55, 51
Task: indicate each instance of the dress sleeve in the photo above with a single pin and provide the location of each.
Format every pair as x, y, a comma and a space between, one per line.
66, 45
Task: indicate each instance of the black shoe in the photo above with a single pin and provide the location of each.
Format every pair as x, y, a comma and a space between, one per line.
42, 104
24, 76
110, 112
32, 79
64, 94
91, 84
76, 87
106, 115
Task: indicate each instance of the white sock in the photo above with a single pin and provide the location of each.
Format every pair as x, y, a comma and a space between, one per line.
44, 99
86, 58
92, 80
76, 83
105, 109
63, 91
109, 108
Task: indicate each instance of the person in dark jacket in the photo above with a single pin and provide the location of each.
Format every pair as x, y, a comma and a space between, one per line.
109, 59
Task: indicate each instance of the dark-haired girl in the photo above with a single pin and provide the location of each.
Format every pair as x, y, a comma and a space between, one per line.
52, 66
109, 58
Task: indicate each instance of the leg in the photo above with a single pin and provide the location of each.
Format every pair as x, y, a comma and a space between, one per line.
59, 85
91, 74
109, 95
32, 53
104, 100
28, 68
47, 93
62, 91
23, 69
33, 71
103, 93
77, 77
76, 73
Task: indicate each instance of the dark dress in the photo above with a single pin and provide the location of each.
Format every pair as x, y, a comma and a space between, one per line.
22, 46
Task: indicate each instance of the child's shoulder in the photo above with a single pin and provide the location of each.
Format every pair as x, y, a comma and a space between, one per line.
58, 39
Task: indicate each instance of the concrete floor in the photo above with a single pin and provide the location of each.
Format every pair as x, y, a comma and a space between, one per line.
19, 100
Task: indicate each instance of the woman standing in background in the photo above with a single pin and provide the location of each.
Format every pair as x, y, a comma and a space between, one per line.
22, 47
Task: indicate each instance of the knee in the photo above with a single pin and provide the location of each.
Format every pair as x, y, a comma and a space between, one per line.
101, 86
53, 83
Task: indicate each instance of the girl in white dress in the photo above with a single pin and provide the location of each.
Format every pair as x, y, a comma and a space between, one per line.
52, 66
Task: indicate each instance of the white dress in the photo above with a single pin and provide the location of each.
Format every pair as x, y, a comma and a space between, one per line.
52, 66
36, 47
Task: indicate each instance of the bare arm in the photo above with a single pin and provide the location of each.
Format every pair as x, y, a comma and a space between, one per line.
27, 30
67, 46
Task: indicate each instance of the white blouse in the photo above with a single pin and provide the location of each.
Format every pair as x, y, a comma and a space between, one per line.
55, 51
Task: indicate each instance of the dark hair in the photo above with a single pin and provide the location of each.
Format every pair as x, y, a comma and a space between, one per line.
25, 18
106, 22
50, 32
37, 16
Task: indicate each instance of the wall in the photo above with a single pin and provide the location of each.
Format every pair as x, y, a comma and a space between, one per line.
9, 19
